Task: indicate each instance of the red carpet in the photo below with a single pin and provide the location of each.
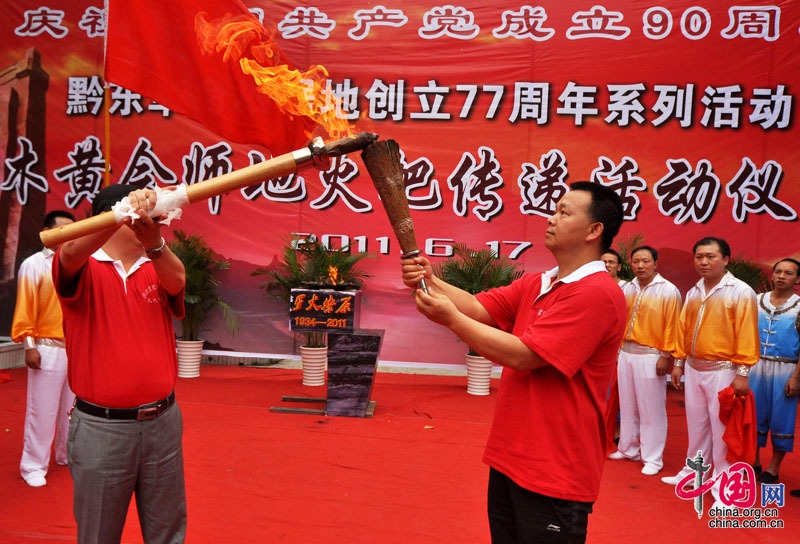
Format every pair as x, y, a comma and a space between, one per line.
412, 474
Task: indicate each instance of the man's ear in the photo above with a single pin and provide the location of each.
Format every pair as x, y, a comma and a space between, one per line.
594, 232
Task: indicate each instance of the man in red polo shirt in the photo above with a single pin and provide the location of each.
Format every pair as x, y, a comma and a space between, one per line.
558, 335
119, 290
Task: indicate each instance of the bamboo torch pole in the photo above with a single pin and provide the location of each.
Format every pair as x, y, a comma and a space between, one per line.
317, 154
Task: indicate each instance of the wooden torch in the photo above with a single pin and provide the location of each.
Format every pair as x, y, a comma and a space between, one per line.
382, 159
317, 154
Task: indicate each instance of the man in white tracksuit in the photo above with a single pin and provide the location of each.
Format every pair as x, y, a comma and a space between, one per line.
37, 324
654, 306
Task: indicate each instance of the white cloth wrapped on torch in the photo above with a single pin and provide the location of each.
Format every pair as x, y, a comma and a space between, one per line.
168, 205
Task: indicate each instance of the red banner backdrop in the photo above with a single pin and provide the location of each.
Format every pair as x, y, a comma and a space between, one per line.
687, 111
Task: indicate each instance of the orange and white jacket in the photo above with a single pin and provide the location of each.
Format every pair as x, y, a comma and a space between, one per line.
653, 313
37, 313
721, 325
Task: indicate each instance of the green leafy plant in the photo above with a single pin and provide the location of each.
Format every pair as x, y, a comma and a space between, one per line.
476, 270
309, 261
749, 272
201, 297
626, 244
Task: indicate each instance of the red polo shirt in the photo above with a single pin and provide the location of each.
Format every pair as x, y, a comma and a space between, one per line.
548, 433
118, 331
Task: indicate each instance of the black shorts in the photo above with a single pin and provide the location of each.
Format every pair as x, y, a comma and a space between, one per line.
520, 516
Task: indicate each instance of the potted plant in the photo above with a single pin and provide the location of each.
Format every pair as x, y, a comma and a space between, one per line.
626, 244
474, 271
749, 272
200, 299
308, 262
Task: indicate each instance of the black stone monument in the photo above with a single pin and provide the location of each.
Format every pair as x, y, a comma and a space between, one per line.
352, 352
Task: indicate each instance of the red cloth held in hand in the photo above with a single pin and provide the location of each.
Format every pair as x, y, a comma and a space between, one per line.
739, 416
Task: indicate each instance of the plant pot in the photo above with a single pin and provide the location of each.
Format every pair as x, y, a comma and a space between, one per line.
479, 375
190, 353
315, 361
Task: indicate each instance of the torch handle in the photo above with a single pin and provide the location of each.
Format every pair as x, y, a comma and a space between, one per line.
288, 163
58, 235
273, 168
270, 169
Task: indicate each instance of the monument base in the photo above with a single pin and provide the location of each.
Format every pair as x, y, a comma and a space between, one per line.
370, 411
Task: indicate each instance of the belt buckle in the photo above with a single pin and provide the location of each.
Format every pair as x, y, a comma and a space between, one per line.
147, 413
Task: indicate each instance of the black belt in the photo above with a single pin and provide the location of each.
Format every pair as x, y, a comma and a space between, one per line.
143, 412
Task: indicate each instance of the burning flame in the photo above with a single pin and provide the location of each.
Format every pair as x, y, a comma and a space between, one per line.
333, 273
242, 39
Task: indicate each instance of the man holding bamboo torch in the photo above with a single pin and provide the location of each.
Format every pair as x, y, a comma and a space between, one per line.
558, 335
119, 290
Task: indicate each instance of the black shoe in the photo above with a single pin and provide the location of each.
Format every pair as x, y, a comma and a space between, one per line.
795, 493
757, 469
767, 478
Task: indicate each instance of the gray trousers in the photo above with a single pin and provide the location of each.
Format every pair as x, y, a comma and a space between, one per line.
112, 459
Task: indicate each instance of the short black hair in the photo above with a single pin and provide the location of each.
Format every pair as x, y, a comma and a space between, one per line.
106, 198
614, 253
653, 252
724, 248
50, 219
606, 208
787, 260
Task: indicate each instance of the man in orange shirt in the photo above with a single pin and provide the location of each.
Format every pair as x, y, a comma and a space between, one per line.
718, 343
654, 305
37, 324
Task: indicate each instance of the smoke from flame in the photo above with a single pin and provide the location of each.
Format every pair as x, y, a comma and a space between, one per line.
242, 39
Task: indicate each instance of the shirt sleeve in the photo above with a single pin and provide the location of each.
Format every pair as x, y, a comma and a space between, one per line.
24, 322
69, 293
679, 351
502, 303
672, 314
747, 339
175, 304
570, 331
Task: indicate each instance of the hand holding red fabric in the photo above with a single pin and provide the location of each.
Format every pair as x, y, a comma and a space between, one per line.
739, 416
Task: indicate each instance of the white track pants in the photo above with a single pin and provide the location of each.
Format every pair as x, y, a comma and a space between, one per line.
702, 419
46, 414
642, 408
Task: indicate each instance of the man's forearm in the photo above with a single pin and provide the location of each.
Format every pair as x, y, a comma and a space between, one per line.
466, 303
496, 345
75, 253
170, 271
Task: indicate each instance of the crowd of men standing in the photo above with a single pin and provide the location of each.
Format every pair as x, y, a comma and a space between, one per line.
721, 335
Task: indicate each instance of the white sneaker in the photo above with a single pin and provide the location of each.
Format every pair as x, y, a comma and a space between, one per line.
617, 455
650, 471
671, 480
35, 481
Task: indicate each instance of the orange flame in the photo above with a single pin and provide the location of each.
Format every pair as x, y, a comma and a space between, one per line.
333, 273
242, 39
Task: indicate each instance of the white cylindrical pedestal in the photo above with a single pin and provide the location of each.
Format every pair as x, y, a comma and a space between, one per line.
315, 361
479, 375
189, 357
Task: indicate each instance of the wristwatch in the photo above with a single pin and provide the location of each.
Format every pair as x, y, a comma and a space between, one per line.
156, 252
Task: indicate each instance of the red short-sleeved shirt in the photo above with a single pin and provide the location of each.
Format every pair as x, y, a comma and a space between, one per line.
118, 331
548, 433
